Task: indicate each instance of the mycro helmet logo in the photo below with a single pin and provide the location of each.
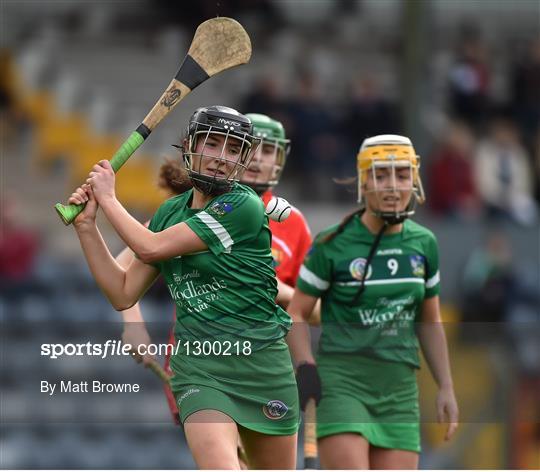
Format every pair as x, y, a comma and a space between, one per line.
275, 409
223, 121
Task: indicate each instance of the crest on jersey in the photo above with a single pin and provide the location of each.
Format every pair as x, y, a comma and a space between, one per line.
418, 265
221, 208
275, 409
357, 268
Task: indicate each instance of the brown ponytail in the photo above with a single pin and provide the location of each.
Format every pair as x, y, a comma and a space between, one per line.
173, 177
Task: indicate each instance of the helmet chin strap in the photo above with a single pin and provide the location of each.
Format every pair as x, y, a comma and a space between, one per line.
209, 185
392, 218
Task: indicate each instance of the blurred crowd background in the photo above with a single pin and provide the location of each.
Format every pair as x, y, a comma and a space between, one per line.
461, 78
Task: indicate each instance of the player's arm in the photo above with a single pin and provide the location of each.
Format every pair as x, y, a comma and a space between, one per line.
123, 287
133, 314
315, 316
284, 297
435, 349
149, 246
285, 293
312, 282
134, 332
299, 339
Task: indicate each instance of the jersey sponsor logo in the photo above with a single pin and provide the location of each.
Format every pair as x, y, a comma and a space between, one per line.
190, 289
275, 409
417, 265
370, 317
182, 397
384, 301
388, 252
390, 314
190, 275
357, 268
221, 208
197, 297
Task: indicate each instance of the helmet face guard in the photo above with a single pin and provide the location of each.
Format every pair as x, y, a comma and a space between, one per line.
268, 173
268, 159
218, 149
391, 153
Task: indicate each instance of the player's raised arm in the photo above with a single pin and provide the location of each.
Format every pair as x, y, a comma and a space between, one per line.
149, 246
123, 287
134, 333
218, 44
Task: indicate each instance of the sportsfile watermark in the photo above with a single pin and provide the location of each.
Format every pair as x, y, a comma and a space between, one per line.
85, 372
113, 347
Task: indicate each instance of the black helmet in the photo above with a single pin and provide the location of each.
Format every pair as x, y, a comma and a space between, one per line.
233, 127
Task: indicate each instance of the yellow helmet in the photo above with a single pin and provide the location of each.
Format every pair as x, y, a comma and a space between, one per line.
390, 150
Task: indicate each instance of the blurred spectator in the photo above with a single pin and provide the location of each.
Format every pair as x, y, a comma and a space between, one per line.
369, 113
536, 165
504, 175
451, 175
18, 251
317, 150
264, 98
469, 79
171, 11
489, 282
498, 289
526, 90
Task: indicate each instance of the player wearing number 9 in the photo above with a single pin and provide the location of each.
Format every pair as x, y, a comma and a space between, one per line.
212, 246
377, 274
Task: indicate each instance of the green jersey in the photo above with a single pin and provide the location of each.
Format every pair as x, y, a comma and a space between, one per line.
404, 271
228, 291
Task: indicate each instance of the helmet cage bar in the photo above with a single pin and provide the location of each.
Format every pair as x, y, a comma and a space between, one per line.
414, 184
280, 152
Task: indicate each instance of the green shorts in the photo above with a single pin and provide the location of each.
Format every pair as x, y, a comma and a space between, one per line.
377, 399
257, 391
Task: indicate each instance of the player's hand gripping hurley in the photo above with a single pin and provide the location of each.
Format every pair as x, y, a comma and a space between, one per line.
218, 44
